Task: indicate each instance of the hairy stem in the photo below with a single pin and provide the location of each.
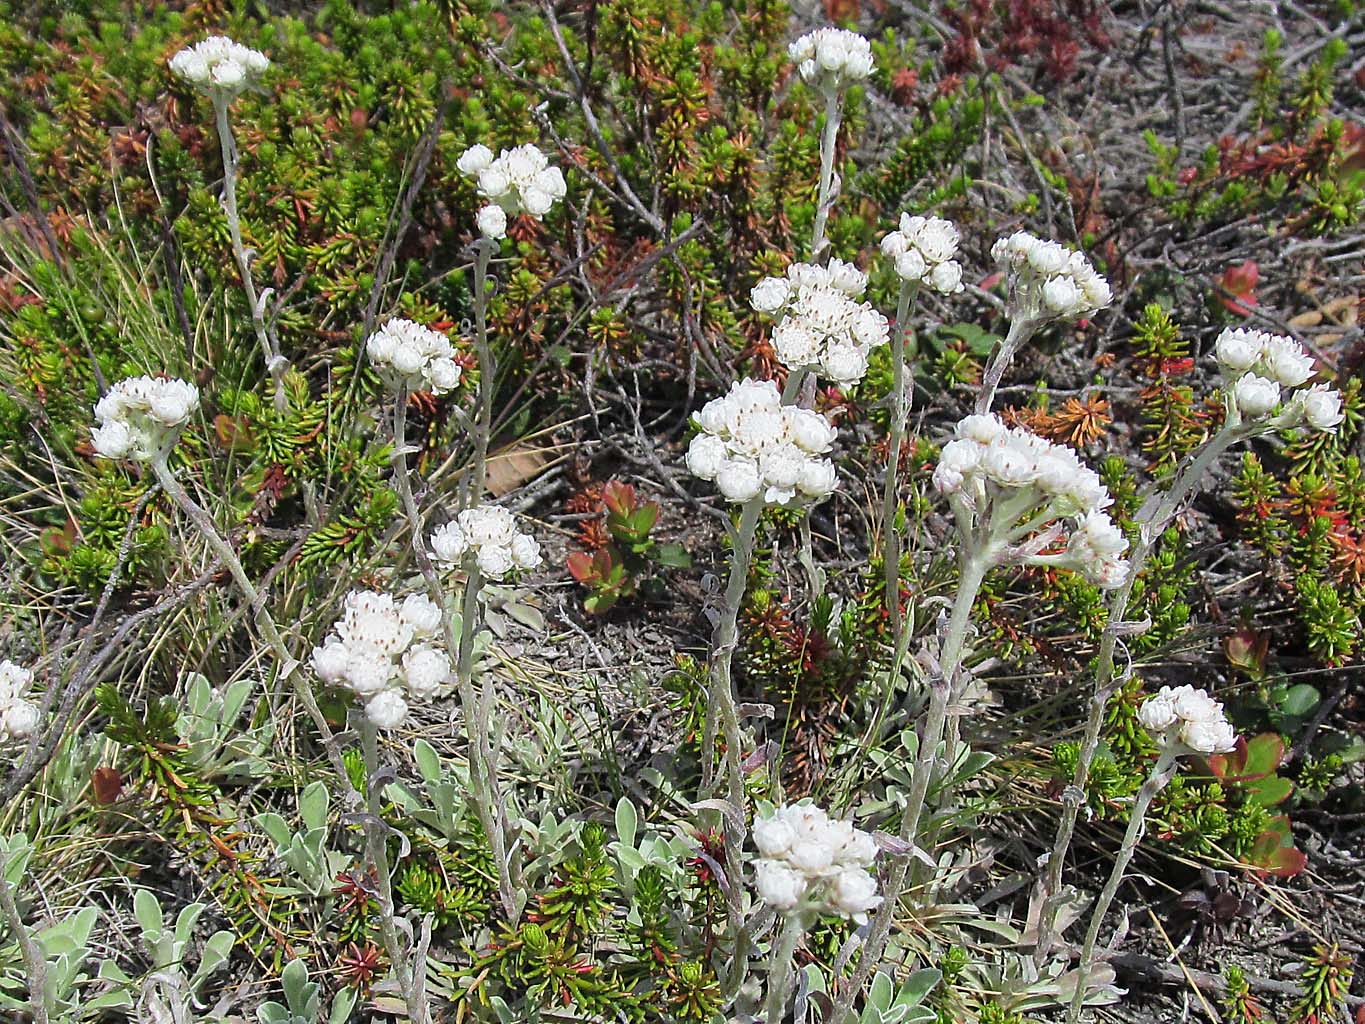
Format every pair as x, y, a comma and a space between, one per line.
825, 201
1021, 329
1153, 518
275, 363
1137, 823
976, 563
483, 771
35, 962
377, 852
780, 968
721, 708
488, 369
900, 412
288, 664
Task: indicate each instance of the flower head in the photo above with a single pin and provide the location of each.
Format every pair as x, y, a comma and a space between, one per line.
1048, 281
1258, 368
487, 534
1189, 717
821, 324
807, 857
750, 444
414, 356
518, 181
220, 67
141, 417
19, 717
925, 250
831, 59
386, 653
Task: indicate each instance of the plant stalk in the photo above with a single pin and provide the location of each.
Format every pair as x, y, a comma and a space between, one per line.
1021, 329
825, 199
780, 967
488, 369
1137, 823
35, 962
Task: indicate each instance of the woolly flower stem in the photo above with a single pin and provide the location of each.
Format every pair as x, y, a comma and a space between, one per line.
721, 708
275, 363
1137, 824
1152, 520
288, 664
1021, 329
34, 960
825, 201
900, 412
483, 769
780, 967
975, 564
488, 369
377, 852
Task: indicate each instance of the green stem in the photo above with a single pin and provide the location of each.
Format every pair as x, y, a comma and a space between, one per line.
377, 852
275, 363
976, 563
1137, 823
780, 968
288, 664
1150, 527
825, 200
483, 770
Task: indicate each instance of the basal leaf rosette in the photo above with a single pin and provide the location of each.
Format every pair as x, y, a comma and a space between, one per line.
751, 446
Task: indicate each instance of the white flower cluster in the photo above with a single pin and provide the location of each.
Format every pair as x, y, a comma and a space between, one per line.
822, 323
19, 717
809, 859
1190, 717
831, 59
994, 468
416, 357
140, 416
1256, 365
218, 65
752, 444
924, 249
489, 533
516, 181
1048, 281
385, 652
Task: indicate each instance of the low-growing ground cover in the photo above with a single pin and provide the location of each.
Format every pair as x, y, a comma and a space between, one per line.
681, 512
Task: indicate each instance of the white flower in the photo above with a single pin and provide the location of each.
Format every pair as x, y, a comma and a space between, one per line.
831, 59
1049, 281
809, 430
947, 277
1209, 735
518, 181
1286, 362
422, 614
141, 416
492, 222
983, 428
368, 672
474, 159
448, 544
525, 551
818, 479
330, 661
738, 479
1255, 396
425, 669
1157, 714
219, 66
854, 893
924, 249
812, 857
773, 836
845, 364
911, 266
1197, 720
705, 455
21, 720
1238, 349
387, 710
414, 356
778, 885
494, 561
769, 295
1321, 407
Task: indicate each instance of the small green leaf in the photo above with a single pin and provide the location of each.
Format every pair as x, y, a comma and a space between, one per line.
627, 820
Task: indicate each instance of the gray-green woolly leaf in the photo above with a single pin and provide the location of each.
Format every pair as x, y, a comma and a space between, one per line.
428, 761
184, 926
313, 805
918, 986
342, 1005
276, 828
147, 911
216, 952
627, 820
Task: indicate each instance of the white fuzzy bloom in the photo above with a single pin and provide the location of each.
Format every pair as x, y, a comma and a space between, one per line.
821, 322
494, 561
751, 444
517, 181
1048, 281
142, 416
924, 249
413, 356
1190, 717
1255, 396
1286, 362
20, 718
808, 858
381, 649
831, 59
492, 222
1320, 406
1238, 349
387, 710
219, 67
448, 544
769, 295
489, 532
525, 551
